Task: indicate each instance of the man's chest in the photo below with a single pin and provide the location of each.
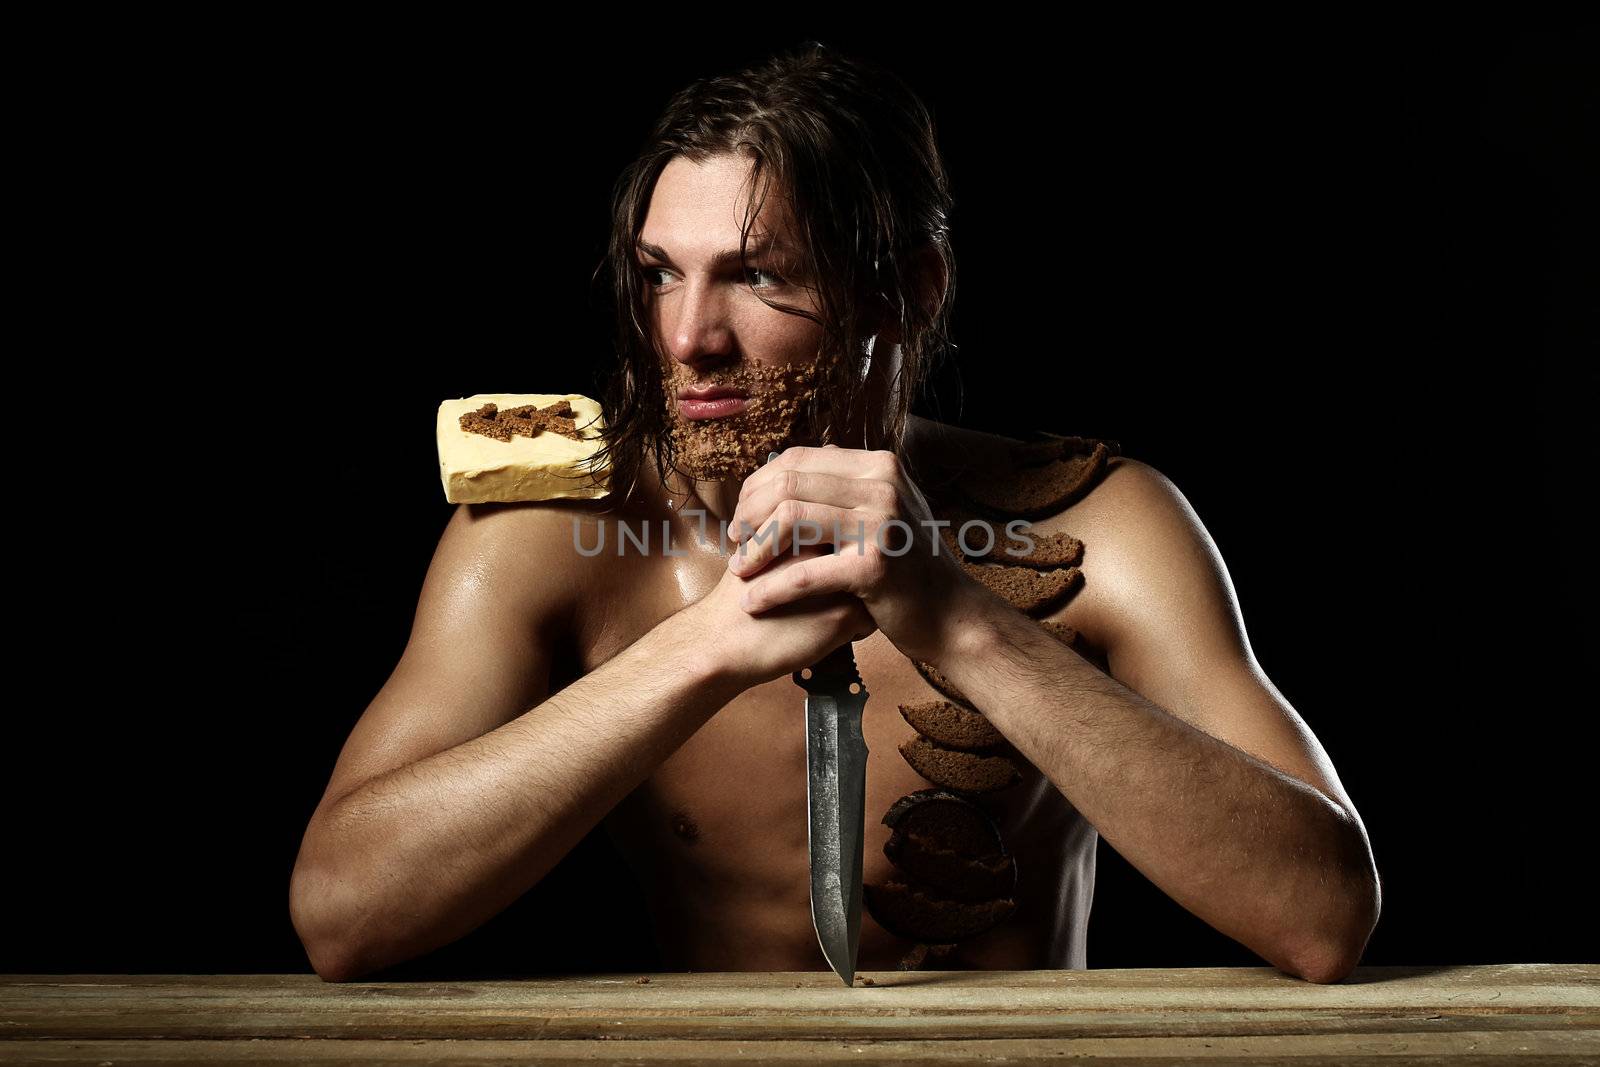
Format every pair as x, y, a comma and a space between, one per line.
731, 801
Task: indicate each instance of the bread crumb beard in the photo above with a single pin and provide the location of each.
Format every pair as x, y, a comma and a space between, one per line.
734, 447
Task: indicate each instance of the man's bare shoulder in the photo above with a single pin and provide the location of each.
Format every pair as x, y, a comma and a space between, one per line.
1130, 504
1130, 499
522, 553
1142, 539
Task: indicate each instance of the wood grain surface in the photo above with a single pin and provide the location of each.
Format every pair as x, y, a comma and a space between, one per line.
1526, 1013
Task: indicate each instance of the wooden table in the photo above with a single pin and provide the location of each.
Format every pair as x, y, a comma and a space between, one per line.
1526, 1013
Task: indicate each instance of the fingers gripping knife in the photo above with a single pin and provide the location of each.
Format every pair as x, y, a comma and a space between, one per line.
836, 793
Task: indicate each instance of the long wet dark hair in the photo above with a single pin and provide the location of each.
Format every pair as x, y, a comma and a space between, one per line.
854, 149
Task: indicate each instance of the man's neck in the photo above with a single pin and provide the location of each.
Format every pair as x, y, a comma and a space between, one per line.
715, 500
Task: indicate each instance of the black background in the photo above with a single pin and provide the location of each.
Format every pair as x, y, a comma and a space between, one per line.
1330, 279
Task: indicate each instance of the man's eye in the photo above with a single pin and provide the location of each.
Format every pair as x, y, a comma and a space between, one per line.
757, 277
757, 272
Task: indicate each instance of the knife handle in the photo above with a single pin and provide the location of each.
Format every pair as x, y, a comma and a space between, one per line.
833, 673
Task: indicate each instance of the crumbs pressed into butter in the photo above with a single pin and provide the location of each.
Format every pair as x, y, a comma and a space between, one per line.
506, 447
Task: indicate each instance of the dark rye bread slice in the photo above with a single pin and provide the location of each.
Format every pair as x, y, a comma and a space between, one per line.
1076, 641
946, 843
918, 914
1029, 591
1044, 477
1039, 551
957, 822
526, 420
1041, 446
926, 864
965, 772
1061, 632
921, 954
951, 724
931, 675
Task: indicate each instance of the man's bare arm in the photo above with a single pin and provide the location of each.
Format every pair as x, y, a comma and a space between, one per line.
454, 796
1218, 793
464, 783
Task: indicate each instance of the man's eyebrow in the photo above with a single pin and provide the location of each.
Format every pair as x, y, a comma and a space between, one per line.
721, 259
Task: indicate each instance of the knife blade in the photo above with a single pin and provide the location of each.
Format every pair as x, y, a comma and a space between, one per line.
836, 794
836, 801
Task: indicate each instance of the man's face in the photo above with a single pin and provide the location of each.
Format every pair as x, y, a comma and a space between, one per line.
714, 331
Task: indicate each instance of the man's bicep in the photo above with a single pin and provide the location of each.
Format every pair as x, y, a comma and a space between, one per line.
1180, 641
479, 653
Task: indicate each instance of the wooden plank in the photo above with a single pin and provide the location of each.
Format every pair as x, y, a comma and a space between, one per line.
1458, 1050
1501, 986
1506, 989
1248, 1013
819, 1028
1204, 979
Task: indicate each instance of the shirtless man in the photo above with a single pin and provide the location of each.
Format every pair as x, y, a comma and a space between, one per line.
544, 690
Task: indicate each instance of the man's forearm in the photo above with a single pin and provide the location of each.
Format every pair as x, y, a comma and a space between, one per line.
418, 857
1259, 855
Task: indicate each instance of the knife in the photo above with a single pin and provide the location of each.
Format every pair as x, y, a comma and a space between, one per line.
836, 801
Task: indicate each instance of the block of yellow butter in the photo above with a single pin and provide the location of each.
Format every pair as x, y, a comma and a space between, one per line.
478, 467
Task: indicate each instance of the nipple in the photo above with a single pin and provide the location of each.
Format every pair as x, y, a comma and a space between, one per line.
685, 827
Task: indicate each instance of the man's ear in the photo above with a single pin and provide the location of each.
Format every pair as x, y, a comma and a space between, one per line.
930, 276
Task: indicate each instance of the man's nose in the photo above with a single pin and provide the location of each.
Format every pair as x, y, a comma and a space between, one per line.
697, 327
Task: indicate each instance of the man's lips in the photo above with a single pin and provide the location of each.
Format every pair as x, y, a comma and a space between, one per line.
715, 408
709, 392
711, 401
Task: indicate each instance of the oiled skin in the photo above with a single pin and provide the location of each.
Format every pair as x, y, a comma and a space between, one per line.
485, 758
726, 872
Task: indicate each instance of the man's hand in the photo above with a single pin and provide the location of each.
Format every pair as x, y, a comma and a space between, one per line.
889, 553
783, 640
